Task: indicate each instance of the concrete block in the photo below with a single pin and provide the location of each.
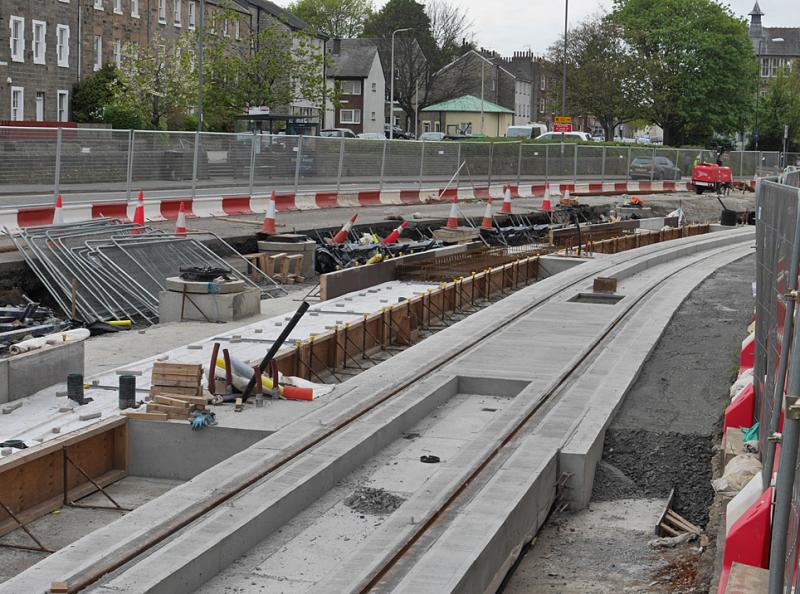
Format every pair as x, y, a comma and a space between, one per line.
27, 373
225, 307
9, 408
90, 416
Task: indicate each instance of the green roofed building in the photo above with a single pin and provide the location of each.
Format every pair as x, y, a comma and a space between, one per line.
463, 116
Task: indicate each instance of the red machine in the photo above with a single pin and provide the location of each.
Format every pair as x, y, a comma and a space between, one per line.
709, 176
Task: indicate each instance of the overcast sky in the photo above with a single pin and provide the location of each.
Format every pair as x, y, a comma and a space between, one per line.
512, 25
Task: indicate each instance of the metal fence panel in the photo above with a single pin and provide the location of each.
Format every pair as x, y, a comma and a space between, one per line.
163, 160
28, 159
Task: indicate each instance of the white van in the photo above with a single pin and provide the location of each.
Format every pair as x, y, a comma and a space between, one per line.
526, 131
556, 136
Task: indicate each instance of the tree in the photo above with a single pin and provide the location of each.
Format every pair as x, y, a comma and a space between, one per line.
779, 107
695, 55
334, 18
91, 95
157, 82
604, 76
421, 52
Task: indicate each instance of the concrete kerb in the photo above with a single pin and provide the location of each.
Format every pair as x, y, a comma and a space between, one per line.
584, 448
94, 547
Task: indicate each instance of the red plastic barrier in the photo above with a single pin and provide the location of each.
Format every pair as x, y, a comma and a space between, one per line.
35, 217
236, 205
284, 202
170, 208
116, 210
409, 196
748, 540
740, 412
748, 354
326, 199
369, 198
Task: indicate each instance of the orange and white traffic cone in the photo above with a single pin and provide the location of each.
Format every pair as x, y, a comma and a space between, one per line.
180, 224
487, 222
268, 227
395, 235
566, 198
58, 213
506, 208
546, 206
344, 232
138, 214
452, 218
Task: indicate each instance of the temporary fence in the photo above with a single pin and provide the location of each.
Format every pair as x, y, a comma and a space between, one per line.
106, 269
776, 366
118, 163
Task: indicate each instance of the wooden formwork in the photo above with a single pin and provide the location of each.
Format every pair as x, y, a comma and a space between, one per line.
38, 481
399, 325
635, 240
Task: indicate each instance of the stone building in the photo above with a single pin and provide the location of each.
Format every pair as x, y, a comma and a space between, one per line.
775, 46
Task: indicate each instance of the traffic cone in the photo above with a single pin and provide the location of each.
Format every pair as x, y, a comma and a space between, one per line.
58, 213
268, 227
180, 224
487, 223
395, 235
138, 215
452, 219
565, 199
506, 208
343, 233
546, 207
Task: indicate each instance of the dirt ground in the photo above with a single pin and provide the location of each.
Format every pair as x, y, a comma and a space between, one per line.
665, 436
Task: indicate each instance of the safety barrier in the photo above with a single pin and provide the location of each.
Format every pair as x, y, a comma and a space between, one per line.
166, 209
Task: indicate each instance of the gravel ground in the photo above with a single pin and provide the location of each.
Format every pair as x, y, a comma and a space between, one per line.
368, 500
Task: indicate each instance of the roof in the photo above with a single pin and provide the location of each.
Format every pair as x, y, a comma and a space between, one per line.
468, 103
756, 10
354, 59
789, 46
497, 62
280, 13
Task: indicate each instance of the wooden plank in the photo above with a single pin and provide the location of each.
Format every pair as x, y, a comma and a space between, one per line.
171, 411
171, 390
682, 522
171, 401
668, 529
150, 416
190, 369
175, 380
190, 400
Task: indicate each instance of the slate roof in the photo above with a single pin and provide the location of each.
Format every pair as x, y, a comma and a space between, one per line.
790, 46
280, 13
354, 59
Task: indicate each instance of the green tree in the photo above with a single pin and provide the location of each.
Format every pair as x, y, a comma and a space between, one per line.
157, 82
91, 95
604, 76
779, 107
695, 55
334, 18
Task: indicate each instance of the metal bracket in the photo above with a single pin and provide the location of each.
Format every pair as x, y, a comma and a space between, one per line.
792, 407
791, 295
775, 438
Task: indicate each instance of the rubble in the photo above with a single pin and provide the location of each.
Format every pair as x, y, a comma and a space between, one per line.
368, 500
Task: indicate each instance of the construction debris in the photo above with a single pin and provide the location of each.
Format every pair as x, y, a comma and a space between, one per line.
368, 500
176, 390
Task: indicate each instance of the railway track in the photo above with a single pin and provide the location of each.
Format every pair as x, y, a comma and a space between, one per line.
179, 544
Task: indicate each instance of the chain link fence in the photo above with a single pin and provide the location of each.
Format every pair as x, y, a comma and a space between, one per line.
119, 163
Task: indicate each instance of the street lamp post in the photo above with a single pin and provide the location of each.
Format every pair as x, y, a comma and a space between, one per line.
564, 68
391, 92
200, 31
758, 93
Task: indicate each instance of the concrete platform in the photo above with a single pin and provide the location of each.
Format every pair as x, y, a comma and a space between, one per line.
537, 347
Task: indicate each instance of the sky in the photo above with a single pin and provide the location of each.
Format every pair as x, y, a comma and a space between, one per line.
513, 25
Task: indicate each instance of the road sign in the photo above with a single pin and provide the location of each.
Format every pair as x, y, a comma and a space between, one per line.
562, 127
562, 120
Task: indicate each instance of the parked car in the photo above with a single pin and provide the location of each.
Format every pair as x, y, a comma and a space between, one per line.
663, 168
435, 136
371, 136
398, 132
556, 136
526, 131
337, 133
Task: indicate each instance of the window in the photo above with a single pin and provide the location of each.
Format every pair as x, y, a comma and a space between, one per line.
542, 83
373, 116
177, 10
541, 105
351, 87
162, 11
237, 32
98, 52
63, 106
39, 41
437, 126
374, 87
118, 6
135, 9
350, 116
17, 100
98, 4
191, 15
225, 28
426, 126
118, 52
62, 45
17, 25
39, 106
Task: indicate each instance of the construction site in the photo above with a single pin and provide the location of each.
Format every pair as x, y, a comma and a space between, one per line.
552, 387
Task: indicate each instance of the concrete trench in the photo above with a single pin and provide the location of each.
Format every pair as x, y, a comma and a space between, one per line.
140, 576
